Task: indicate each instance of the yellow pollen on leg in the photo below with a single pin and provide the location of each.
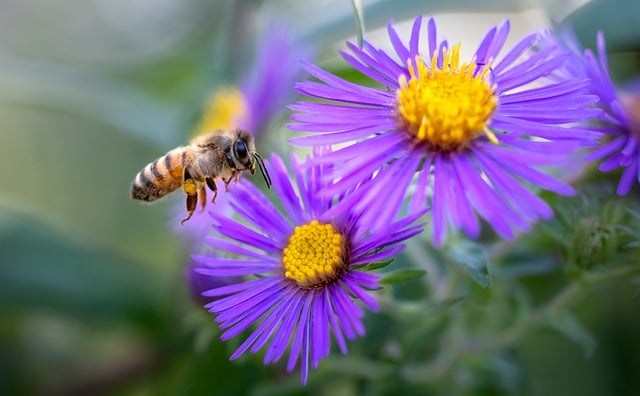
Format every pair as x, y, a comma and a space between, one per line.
446, 108
190, 187
314, 255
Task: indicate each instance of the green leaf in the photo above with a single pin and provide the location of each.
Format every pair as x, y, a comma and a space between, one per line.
472, 257
402, 275
357, 366
571, 328
43, 268
375, 266
526, 263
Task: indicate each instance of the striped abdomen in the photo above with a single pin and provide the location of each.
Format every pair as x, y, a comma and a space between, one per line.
161, 176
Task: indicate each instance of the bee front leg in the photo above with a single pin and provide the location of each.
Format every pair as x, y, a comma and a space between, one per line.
191, 189
212, 186
234, 175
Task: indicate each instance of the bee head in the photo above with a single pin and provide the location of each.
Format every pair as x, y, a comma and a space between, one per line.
245, 155
242, 155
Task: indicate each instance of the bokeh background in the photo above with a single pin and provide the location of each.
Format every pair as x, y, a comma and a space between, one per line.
93, 296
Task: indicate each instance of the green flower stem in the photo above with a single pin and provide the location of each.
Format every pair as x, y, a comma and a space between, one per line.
458, 347
563, 300
358, 14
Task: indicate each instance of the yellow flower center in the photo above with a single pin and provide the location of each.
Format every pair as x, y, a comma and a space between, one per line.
314, 255
446, 108
222, 111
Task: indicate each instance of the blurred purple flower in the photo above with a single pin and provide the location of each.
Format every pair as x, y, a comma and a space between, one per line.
620, 122
305, 264
262, 96
476, 133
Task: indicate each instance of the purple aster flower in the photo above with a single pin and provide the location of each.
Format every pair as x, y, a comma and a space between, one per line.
260, 98
303, 267
620, 122
475, 134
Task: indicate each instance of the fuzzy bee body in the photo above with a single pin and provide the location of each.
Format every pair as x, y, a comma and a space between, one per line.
220, 154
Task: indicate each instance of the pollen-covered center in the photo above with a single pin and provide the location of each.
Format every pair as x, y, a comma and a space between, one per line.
446, 107
225, 107
314, 254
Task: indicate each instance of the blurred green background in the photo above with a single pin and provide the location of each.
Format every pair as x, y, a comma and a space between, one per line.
93, 297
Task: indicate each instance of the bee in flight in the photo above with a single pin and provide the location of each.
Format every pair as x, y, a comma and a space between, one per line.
219, 154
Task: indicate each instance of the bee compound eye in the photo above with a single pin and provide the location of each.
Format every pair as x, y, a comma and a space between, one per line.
241, 149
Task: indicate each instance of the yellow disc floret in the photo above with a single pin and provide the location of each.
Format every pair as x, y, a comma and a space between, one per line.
223, 110
314, 255
446, 108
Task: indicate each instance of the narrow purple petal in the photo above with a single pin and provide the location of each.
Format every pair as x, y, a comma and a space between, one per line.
282, 185
432, 36
248, 318
272, 322
365, 279
611, 163
396, 42
485, 44
306, 345
508, 184
238, 287
419, 199
286, 332
241, 233
531, 175
230, 247
331, 315
484, 199
627, 178
349, 312
438, 204
367, 299
340, 137
362, 66
414, 42
515, 53
382, 255
468, 219
320, 332
499, 39
301, 334
242, 298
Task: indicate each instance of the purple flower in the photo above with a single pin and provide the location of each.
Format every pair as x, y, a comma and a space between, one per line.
475, 134
304, 266
620, 122
261, 97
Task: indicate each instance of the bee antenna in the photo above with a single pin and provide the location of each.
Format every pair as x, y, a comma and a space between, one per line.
263, 169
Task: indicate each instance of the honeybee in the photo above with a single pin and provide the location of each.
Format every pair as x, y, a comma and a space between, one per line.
221, 154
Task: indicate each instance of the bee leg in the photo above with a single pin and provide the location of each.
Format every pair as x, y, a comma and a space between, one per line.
203, 197
192, 201
233, 176
212, 186
191, 189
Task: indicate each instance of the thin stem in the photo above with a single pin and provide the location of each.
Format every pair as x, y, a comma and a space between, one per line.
460, 348
358, 13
